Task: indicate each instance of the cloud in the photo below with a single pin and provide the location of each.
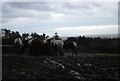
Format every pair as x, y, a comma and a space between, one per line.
41, 6
51, 16
10, 13
91, 9
88, 30
60, 1
77, 5
18, 10
66, 10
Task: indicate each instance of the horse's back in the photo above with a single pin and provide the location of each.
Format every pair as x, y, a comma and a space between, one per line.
69, 44
30, 41
18, 41
59, 43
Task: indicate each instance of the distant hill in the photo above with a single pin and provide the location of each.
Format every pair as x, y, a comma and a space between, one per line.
104, 35
94, 36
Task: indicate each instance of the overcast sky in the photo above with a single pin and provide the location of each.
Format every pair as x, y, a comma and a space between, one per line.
66, 18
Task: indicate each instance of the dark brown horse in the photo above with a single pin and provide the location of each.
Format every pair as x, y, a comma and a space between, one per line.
37, 46
71, 45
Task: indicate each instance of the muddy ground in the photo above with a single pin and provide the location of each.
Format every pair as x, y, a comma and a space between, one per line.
84, 67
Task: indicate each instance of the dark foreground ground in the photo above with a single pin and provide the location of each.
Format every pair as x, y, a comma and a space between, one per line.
83, 67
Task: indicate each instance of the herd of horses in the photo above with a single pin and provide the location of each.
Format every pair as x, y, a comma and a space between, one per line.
44, 46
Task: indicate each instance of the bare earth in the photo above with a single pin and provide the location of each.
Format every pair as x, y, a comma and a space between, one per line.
83, 67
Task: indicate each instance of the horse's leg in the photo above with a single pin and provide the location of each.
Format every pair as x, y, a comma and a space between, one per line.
58, 52
73, 51
30, 50
52, 51
18, 50
21, 50
39, 51
61, 52
35, 51
55, 50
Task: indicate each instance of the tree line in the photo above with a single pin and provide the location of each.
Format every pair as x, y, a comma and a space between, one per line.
97, 45
85, 44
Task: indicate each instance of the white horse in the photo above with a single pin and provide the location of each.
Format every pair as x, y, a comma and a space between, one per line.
19, 45
56, 46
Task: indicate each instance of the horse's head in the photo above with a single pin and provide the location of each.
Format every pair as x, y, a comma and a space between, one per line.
42, 40
74, 43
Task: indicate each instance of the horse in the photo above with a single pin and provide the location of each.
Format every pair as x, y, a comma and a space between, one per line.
30, 42
72, 45
50, 47
37, 46
56, 46
19, 45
